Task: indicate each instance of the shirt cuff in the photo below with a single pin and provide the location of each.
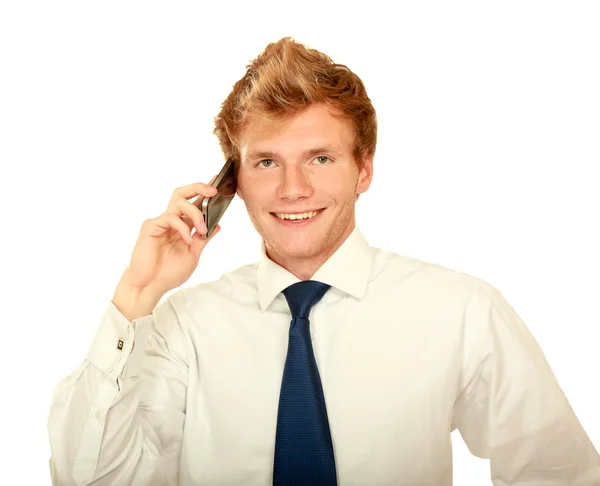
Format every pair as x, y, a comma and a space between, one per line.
119, 346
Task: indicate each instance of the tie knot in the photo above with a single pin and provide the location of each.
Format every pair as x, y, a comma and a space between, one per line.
301, 296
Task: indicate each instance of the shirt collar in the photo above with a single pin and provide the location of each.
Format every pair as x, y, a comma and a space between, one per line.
348, 270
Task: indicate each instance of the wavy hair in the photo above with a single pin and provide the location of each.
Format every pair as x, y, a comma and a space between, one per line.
285, 79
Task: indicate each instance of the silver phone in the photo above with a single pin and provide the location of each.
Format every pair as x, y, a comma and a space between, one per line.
214, 207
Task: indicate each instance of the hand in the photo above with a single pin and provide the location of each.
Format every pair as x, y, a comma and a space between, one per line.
166, 253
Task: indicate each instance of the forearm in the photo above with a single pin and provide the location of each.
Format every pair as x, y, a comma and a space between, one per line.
98, 435
90, 436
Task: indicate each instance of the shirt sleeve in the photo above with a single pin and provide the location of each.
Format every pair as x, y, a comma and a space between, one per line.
118, 418
513, 410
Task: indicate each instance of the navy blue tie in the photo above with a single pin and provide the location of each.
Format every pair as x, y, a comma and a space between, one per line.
303, 448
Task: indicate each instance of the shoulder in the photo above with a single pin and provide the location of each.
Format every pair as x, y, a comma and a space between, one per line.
426, 278
234, 285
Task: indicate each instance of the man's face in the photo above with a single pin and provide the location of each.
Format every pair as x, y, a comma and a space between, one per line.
305, 165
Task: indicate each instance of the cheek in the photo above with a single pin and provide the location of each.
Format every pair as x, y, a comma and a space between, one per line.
254, 195
257, 188
337, 186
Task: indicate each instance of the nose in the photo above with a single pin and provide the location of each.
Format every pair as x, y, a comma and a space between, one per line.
295, 183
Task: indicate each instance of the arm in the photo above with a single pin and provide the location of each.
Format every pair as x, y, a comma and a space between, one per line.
118, 419
512, 410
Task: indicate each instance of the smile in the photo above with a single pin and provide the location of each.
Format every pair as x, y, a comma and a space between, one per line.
296, 219
297, 216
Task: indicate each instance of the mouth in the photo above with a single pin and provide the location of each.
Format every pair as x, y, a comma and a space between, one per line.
297, 219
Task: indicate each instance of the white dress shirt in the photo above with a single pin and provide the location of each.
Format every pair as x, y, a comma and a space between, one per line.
407, 352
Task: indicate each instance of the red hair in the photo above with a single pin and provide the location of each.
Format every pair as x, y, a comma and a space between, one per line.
285, 79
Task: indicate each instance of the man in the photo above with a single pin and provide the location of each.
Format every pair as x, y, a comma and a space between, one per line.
326, 362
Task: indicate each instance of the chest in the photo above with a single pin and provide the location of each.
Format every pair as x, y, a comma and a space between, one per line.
389, 380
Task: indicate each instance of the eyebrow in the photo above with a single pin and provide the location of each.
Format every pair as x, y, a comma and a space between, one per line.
267, 154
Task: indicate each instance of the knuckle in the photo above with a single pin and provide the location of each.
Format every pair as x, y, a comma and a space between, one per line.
168, 218
147, 222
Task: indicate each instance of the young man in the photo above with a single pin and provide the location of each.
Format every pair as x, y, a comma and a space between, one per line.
326, 362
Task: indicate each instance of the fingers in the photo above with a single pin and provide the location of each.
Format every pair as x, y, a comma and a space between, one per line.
195, 189
194, 215
199, 189
200, 241
171, 220
182, 215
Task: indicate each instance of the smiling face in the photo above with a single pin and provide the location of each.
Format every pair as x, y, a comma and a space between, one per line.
305, 165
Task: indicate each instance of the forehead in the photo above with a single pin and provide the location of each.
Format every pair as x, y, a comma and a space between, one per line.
318, 125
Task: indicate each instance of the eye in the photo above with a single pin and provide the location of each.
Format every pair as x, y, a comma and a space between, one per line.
322, 159
266, 165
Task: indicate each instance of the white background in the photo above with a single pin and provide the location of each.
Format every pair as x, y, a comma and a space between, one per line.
487, 163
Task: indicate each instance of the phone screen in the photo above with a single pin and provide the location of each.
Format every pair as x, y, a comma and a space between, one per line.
214, 207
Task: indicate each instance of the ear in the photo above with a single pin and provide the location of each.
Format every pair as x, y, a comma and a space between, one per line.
238, 191
365, 175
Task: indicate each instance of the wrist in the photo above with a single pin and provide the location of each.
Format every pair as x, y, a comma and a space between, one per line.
133, 301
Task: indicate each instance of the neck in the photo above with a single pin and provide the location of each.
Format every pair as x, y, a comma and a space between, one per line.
305, 267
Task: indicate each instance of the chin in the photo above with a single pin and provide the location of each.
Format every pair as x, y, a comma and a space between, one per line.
293, 248
298, 244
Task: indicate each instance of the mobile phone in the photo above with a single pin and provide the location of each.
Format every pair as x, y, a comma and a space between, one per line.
214, 207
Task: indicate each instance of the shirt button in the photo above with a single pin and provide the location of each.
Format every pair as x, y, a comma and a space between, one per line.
97, 414
312, 336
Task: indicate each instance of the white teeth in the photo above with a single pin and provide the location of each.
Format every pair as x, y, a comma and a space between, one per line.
296, 216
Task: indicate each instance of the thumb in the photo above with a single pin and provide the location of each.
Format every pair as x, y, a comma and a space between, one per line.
199, 242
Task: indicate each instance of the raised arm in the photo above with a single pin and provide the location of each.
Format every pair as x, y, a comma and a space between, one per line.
118, 419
